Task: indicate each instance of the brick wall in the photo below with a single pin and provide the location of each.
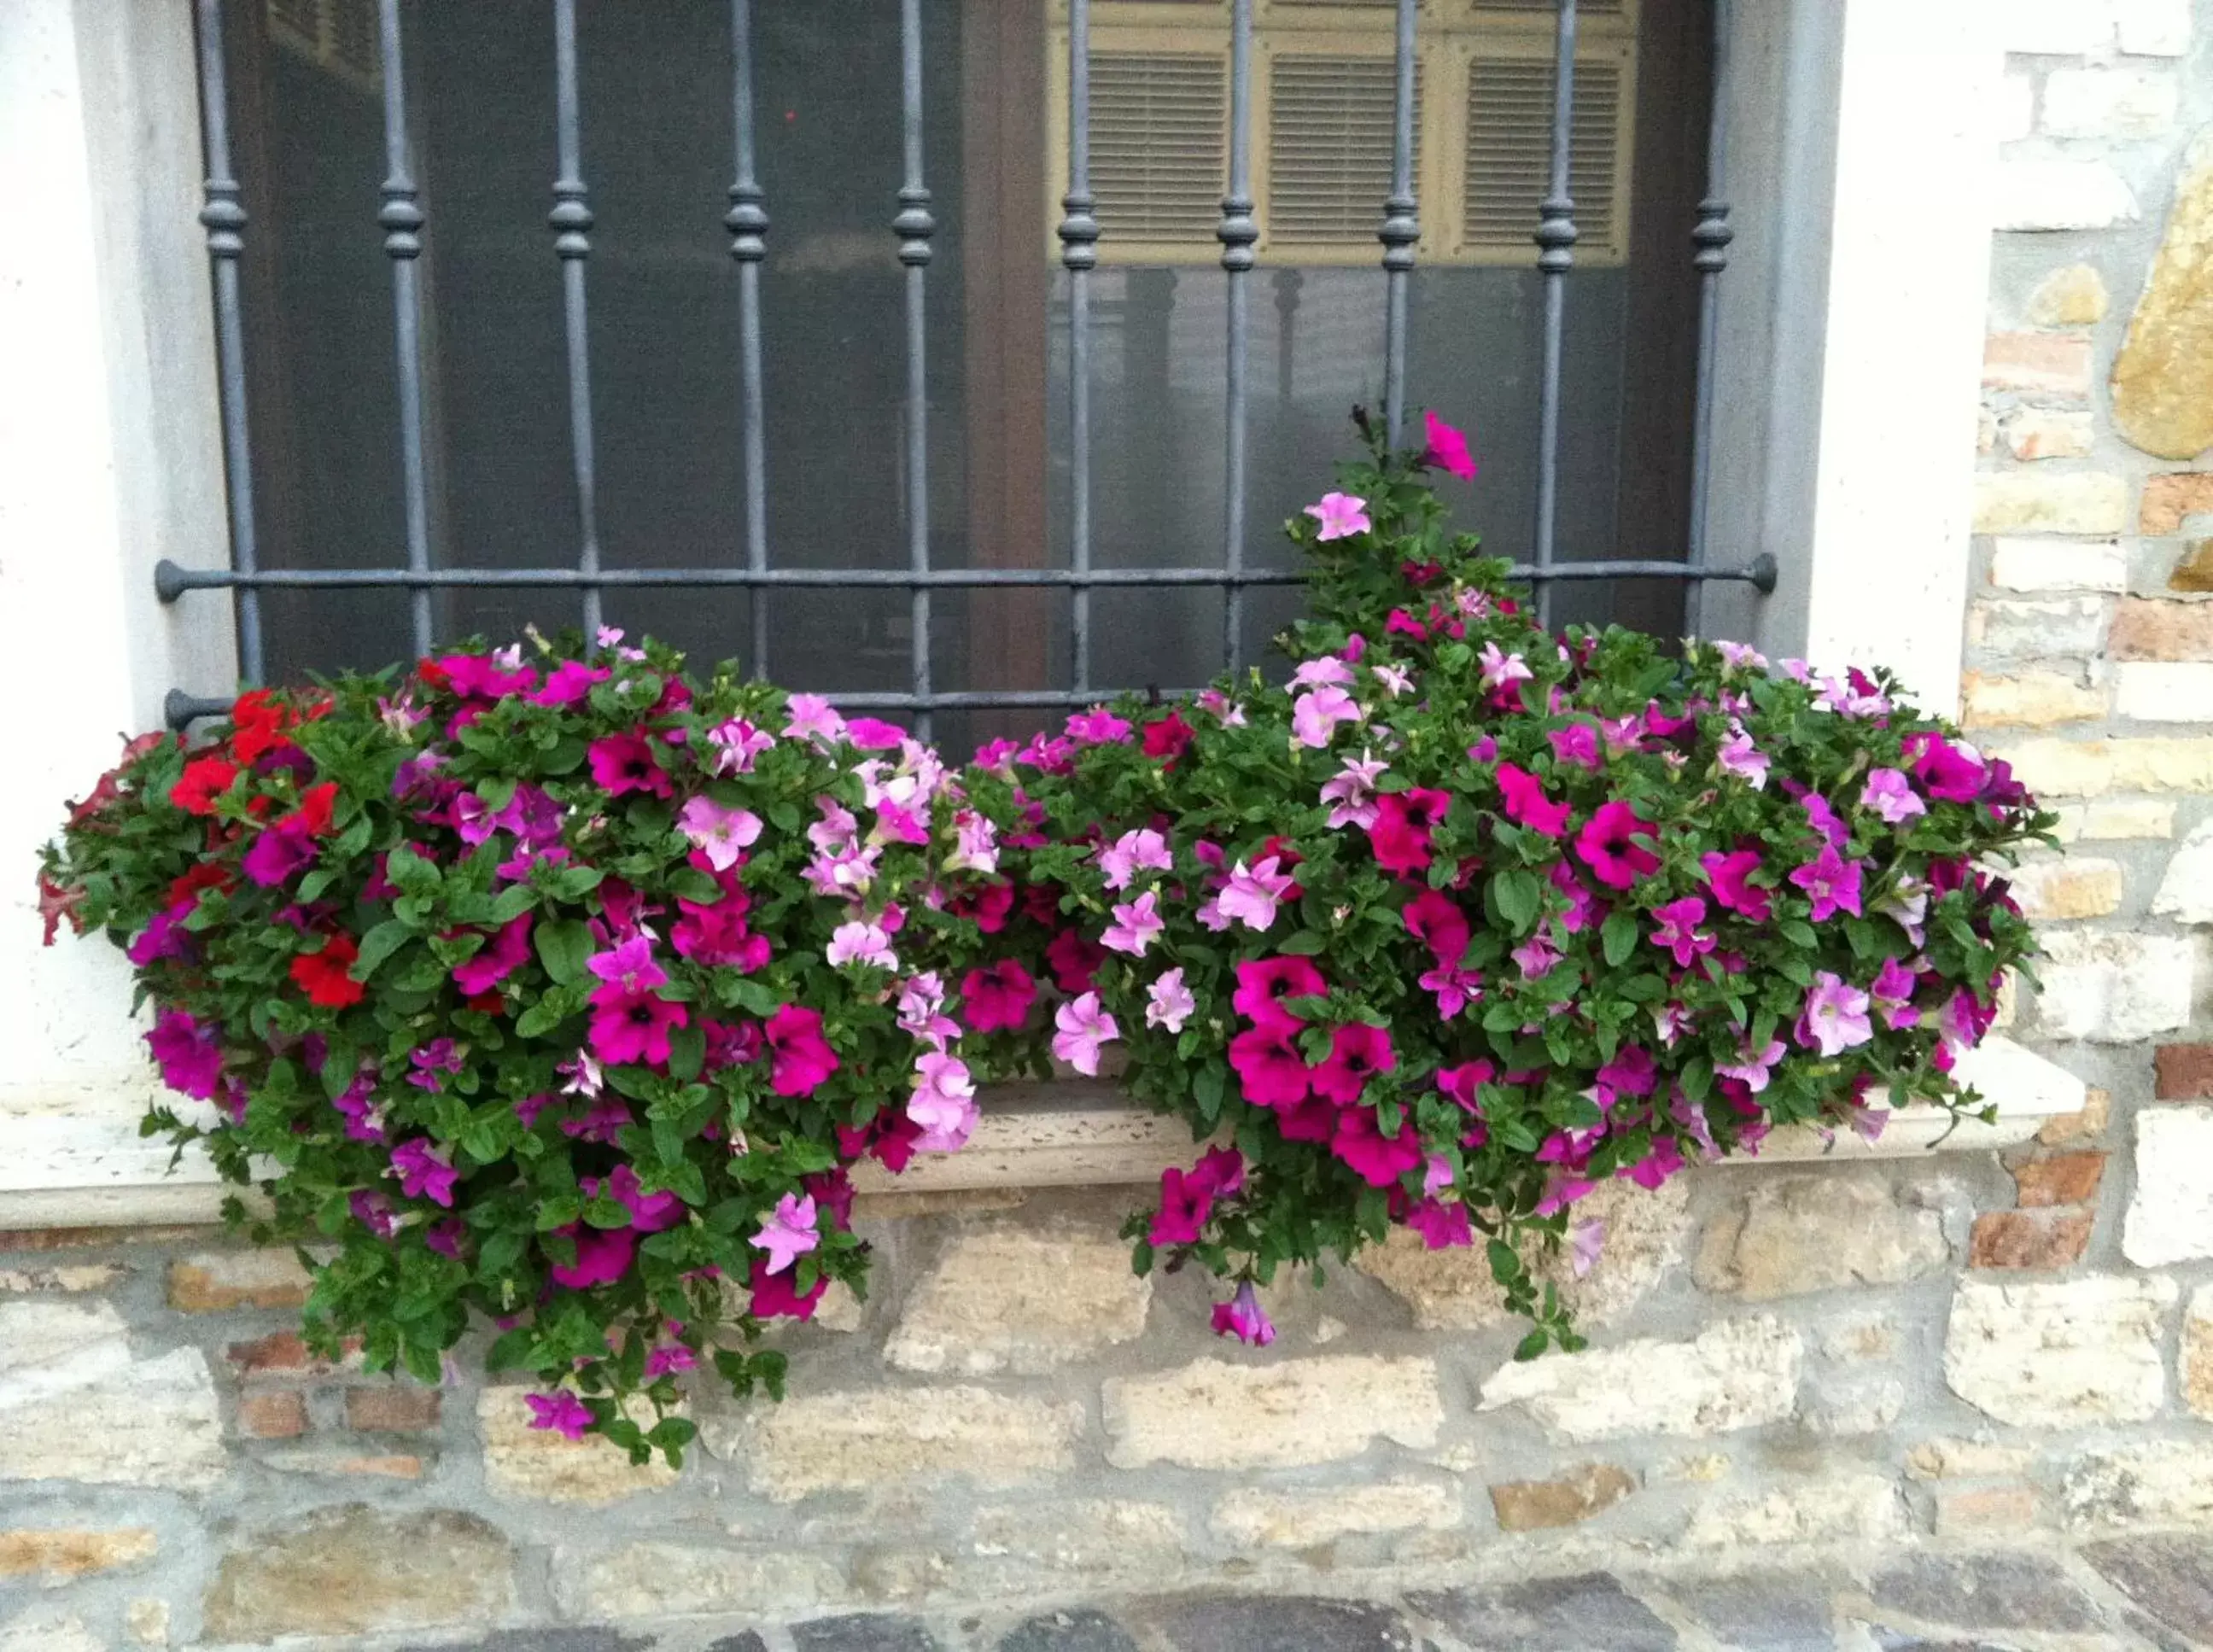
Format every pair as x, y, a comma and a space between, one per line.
1960, 1351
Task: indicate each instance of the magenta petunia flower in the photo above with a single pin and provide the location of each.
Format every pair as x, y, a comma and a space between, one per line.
498, 958
1577, 744
633, 1027
1404, 821
1831, 882
1270, 1069
1357, 1052
1729, 877
1341, 516
1446, 449
1675, 930
1434, 918
627, 968
1442, 1227
998, 998
788, 1233
560, 1412
1526, 805
1892, 994
626, 763
189, 1054
1263, 984
1954, 773
1097, 726
799, 1057
1187, 1200
649, 1213
1608, 845
424, 1172
1243, 1317
1378, 1160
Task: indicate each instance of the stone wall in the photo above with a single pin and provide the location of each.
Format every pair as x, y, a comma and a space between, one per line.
1957, 1352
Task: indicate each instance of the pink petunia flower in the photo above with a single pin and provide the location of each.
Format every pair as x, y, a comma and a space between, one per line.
813, 718
1752, 1067
1137, 924
1243, 1317
1085, 1026
1097, 726
1131, 853
1316, 714
1500, 667
1739, 757
737, 744
1351, 791
1891, 993
860, 942
1322, 669
943, 1102
1250, 896
788, 1233
1585, 1241
1341, 516
1889, 793
1168, 1003
1835, 1018
722, 832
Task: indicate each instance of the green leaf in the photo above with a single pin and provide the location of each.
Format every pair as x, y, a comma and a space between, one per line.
1617, 935
1530, 1345
412, 874
380, 943
1798, 933
1302, 943
1520, 897
1505, 1261
563, 946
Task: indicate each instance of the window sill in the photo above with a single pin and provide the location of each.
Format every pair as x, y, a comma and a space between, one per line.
78, 1171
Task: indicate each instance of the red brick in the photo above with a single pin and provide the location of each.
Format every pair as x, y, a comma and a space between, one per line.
2062, 1179
2029, 1238
2185, 1072
283, 1353
282, 1415
2169, 497
398, 1409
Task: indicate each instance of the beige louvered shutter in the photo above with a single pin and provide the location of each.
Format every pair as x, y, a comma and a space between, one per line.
1547, 9
1506, 146
1328, 168
1160, 133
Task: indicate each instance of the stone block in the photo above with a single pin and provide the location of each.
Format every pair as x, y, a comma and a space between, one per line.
1453, 1290
2079, 886
44, 1631
1255, 1517
1274, 1624
2036, 699
2163, 377
863, 1632
1984, 1592
2072, 296
2062, 1355
1834, 1508
2182, 1072
2193, 568
1575, 1497
2038, 564
2152, 28
67, 1278
2172, 498
1945, 1458
2186, 890
2043, 501
2114, 988
1082, 1631
2054, 28
1020, 1299
2169, 1577
76, 1406
393, 1408
1590, 1611
858, 1439
215, 1282
1212, 1414
2065, 628
2103, 102
1787, 1236
1839, 1405
2152, 1483
1983, 1511
2163, 691
1101, 1540
2170, 1217
282, 1415
2051, 365
676, 1580
538, 1464
345, 1465
1735, 1374
60, 1556
2197, 1353
2059, 1179
2114, 819
356, 1571
2032, 193
147, 1622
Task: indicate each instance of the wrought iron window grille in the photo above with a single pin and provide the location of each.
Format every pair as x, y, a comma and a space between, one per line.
402, 219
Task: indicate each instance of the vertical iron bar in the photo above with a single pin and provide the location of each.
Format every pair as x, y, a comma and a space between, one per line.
1711, 238
1237, 232
1079, 252
401, 218
1400, 230
572, 222
1556, 240
748, 220
224, 219
914, 227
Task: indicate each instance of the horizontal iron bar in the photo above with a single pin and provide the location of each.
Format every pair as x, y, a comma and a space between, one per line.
172, 580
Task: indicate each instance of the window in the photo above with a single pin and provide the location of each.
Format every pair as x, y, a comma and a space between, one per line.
307, 105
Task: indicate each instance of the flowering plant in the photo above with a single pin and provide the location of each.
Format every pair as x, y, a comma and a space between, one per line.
560, 990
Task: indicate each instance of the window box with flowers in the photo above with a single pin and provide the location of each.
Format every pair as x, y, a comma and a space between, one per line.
551, 985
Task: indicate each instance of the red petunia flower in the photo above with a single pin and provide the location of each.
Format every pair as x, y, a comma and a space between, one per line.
204, 779
326, 976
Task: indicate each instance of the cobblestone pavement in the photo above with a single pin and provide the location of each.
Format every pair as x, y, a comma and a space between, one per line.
2145, 1594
